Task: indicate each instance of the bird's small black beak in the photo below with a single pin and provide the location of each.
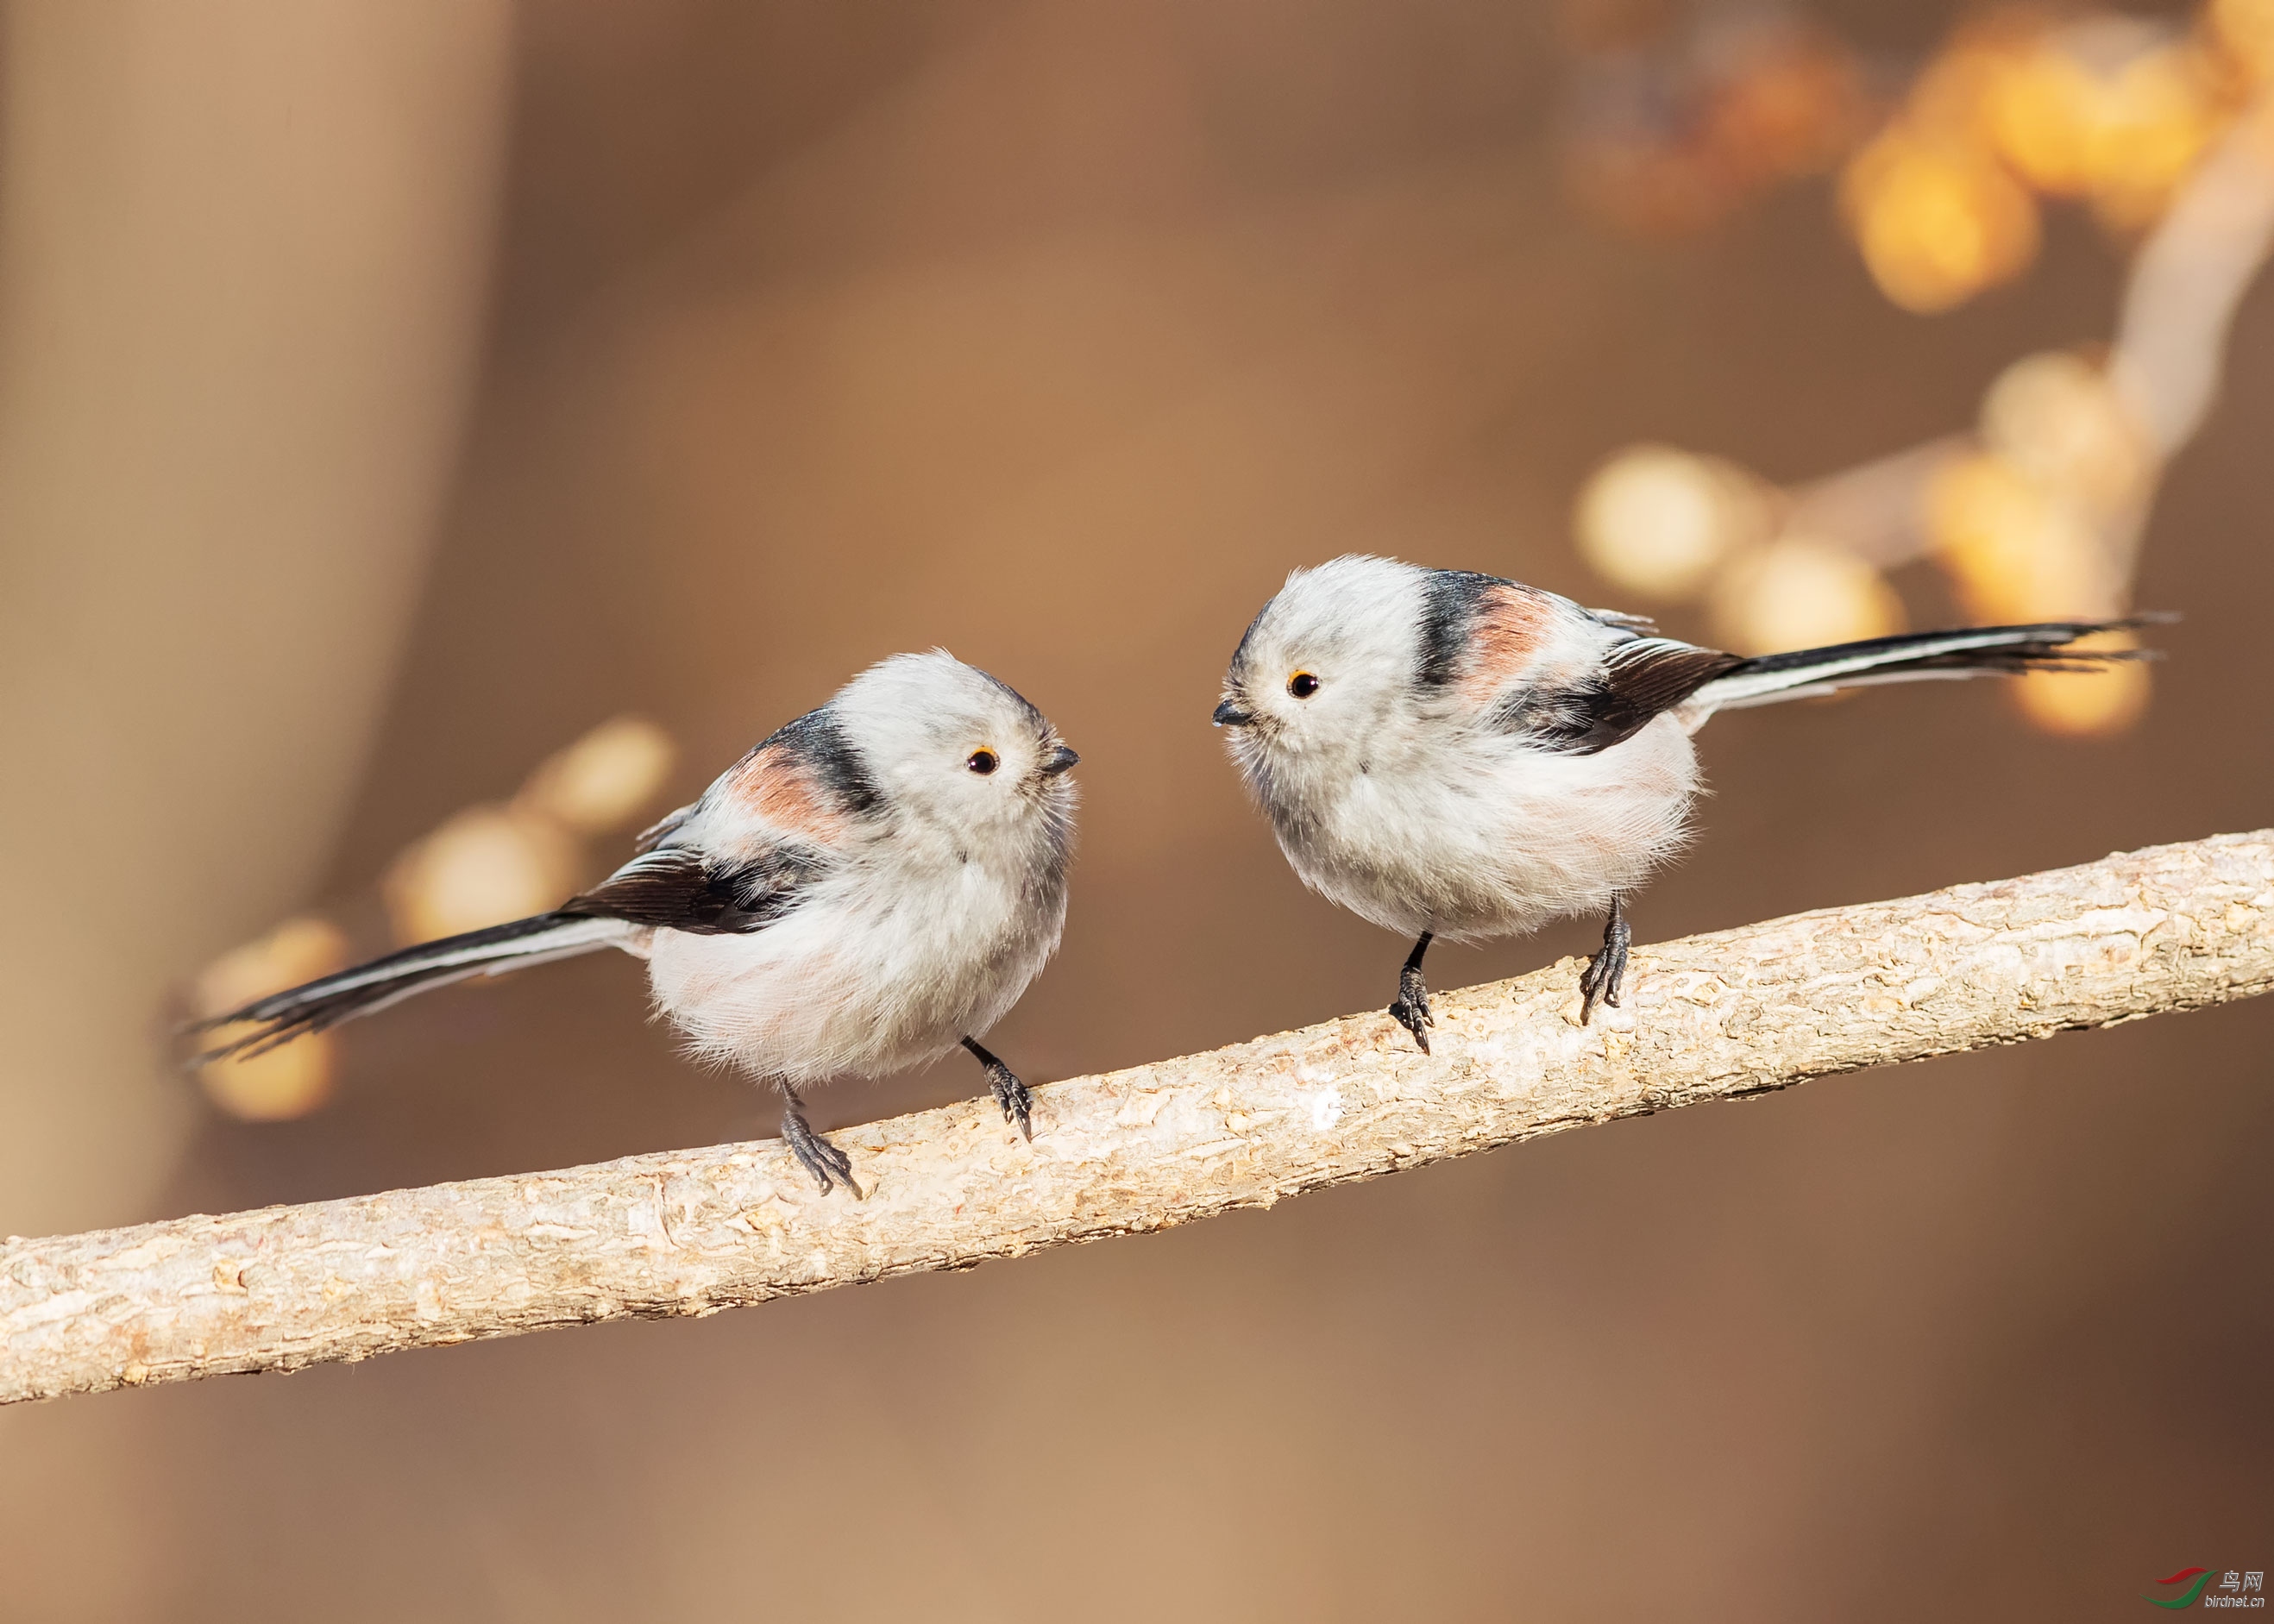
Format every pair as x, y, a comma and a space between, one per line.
1229, 714
1058, 760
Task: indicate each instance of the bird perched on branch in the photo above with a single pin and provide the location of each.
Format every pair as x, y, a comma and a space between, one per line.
874, 884
1452, 755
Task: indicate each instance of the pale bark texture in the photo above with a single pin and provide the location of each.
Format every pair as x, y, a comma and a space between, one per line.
1715, 1017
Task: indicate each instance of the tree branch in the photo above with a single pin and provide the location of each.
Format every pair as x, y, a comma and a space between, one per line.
1713, 1017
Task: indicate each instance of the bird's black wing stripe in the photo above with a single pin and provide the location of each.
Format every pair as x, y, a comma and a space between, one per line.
679, 888
1638, 680
1449, 603
817, 741
1652, 674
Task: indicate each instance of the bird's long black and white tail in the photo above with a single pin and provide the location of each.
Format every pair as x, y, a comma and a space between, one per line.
330, 1000
1982, 650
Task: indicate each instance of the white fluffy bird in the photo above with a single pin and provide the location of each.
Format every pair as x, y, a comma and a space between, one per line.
1452, 755
873, 885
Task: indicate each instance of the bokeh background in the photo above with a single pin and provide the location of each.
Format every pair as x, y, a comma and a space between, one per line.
391, 395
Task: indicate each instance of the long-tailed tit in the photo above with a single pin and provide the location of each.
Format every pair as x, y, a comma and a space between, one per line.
871, 886
1449, 754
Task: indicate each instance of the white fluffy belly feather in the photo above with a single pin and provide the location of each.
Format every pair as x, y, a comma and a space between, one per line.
1494, 842
836, 988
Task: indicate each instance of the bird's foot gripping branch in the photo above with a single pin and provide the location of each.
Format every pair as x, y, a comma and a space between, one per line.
1713, 1017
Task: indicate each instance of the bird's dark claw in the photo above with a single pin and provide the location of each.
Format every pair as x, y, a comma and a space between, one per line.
1606, 975
1411, 1010
1016, 1098
815, 1154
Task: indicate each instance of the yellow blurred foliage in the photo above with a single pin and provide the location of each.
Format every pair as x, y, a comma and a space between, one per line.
2055, 417
2244, 30
2156, 118
2112, 108
602, 782
2040, 107
1937, 218
2123, 131
1657, 522
278, 1086
2087, 703
298, 1077
1797, 594
2108, 108
486, 866
2014, 552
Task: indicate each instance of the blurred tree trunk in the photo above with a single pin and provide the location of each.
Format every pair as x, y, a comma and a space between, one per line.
244, 251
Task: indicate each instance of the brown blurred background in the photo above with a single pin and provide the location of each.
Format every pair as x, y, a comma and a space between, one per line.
389, 394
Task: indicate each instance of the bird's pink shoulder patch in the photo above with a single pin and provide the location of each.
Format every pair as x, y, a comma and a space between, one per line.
1507, 637
775, 787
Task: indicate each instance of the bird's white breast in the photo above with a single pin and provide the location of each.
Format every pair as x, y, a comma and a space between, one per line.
888, 963
1485, 836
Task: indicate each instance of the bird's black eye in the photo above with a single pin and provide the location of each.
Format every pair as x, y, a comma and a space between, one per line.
1302, 685
983, 762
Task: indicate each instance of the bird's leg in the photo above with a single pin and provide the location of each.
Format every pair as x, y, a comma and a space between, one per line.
1605, 973
1016, 1098
1411, 1010
815, 1154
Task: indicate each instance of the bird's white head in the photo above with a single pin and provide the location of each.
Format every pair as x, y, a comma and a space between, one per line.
1327, 667
948, 744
